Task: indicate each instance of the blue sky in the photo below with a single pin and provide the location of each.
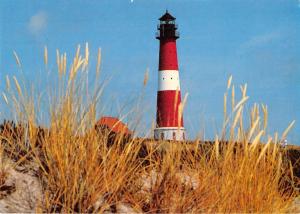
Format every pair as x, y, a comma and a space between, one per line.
258, 42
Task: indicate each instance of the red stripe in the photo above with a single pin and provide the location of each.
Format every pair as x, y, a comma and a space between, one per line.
168, 55
167, 109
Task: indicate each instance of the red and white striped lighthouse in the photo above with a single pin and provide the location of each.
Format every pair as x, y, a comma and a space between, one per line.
169, 120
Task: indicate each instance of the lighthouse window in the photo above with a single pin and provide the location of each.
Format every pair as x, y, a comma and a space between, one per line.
162, 136
171, 78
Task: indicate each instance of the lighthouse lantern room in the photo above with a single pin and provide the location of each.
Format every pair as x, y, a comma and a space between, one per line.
169, 117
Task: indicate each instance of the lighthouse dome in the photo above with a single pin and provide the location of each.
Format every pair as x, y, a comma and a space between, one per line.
167, 17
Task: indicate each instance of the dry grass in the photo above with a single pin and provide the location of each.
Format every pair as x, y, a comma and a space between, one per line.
80, 172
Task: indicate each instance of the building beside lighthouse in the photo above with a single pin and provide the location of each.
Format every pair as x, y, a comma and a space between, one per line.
169, 119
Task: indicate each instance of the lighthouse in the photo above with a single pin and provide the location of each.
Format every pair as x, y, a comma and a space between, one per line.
169, 119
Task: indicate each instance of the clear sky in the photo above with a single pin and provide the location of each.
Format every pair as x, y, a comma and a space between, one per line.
258, 42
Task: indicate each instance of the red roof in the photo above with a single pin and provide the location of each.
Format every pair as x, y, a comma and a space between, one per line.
114, 124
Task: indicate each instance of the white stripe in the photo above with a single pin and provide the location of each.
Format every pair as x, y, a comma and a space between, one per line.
168, 80
170, 134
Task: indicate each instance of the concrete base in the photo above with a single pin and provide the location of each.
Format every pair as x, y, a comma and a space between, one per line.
169, 133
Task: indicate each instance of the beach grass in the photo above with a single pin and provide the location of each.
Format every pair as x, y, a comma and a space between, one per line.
242, 170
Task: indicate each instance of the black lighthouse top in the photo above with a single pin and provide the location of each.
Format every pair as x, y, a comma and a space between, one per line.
167, 17
167, 29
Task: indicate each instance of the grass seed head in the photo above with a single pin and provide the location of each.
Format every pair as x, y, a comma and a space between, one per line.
46, 55
7, 83
5, 98
98, 62
146, 77
17, 59
18, 86
229, 82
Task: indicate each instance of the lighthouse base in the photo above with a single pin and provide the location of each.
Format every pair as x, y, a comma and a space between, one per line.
169, 133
